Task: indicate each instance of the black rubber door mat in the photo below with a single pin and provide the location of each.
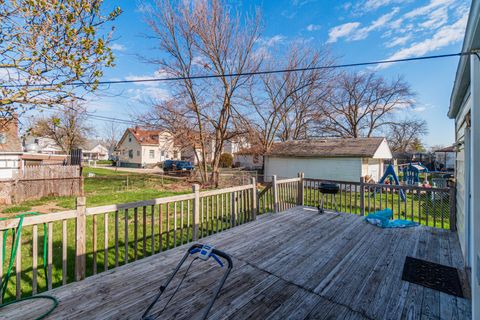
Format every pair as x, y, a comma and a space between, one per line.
432, 275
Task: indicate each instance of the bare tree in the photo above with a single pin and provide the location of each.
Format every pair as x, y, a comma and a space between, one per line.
405, 135
284, 104
363, 103
198, 37
67, 128
112, 134
46, 46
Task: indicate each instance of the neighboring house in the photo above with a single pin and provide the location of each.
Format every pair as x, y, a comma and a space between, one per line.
248, 158
195, 155
41, 145
235, 145
94, 150
465, 110
445, 158
332, 158
10, 148
141, 148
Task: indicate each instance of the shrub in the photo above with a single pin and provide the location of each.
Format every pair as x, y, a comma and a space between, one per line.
226, 160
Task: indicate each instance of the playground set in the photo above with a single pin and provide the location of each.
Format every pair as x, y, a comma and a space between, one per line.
411, 176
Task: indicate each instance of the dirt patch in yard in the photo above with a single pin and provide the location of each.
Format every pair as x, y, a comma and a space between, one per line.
47, 208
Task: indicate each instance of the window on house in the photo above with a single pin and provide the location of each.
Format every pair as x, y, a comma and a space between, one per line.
175, 154
163, 153
130, 154
152, 154
138, 153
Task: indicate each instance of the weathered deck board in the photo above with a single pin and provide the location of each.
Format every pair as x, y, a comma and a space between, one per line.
291, 265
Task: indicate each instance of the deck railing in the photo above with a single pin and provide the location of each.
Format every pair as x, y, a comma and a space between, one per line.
71, 245
86, 241
433, 207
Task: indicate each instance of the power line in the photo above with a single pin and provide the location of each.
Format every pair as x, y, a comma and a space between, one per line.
211, 76
95, 116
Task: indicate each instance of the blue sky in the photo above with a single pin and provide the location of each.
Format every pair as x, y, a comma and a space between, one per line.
354, 31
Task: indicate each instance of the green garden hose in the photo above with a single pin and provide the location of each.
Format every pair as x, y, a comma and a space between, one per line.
16, 238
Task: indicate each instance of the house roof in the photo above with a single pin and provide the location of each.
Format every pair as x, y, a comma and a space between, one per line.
10, 142
145, 137
462, 77
446, 149
90, 144
329, 147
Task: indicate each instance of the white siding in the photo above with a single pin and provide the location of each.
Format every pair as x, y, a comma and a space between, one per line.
9, 165
346, 169
460, 173
248, 161
130, 144
383, 151
374, 169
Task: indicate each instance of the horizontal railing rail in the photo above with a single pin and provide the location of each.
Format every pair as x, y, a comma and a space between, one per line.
58, 248
78, 243
429, 206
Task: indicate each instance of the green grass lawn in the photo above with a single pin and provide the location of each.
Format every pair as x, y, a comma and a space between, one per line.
215, 216
106, 187
425, 208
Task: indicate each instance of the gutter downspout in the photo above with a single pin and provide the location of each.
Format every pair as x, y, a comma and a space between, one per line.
475, 182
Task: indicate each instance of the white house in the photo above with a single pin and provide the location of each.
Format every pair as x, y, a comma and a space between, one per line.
330, 159
140, 148
235, 145
10, 148
41, 145
465, 110
248, 158
94, 150
445, 158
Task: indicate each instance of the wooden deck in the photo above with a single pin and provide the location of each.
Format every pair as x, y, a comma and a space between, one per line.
291, 265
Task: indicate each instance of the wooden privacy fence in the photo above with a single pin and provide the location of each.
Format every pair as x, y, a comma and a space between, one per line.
87, 241
35, 182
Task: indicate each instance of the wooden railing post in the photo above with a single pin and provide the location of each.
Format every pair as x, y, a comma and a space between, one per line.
233, 209
80, 239
196, 212
275, 193
453, 206
362, 196
301, 189
254, 199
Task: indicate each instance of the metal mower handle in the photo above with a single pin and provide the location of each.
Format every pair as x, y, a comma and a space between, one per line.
197, 246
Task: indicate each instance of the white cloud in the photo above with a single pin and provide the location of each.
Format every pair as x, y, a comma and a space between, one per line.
313, 27
343, 30
118, 47
436, 19
381, 22
375, 4
445, 36
271, 41
148, 93
352, 31
299, 3
398, 41
425, 10
372, 5
159, 74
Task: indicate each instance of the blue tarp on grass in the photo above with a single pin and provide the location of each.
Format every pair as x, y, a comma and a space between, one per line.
382, 219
